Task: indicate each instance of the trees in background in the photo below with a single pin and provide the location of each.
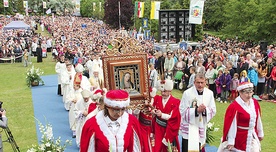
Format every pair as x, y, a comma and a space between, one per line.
252, 20
14, 7
213, 14
61, 7
111, 14
92, 8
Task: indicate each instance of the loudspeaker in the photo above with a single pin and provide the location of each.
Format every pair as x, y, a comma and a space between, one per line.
172, 21
172, 35
181, 14
164, 14
172, 29
181, 20
263, 45
172, 14
164, 36
181, 28
164, 29
164, 21
181, 34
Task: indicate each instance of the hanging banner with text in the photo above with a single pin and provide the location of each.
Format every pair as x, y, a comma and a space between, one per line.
196, 11
145, 23
94, 6
6, 3
100, 6
77, 5
44, 5
25, 4
154, 11
147, 34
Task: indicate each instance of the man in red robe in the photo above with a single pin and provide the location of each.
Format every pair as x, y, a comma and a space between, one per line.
112, 129
167, 118
243, 129
145, 120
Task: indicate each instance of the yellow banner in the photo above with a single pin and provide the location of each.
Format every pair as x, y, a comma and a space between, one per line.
154, 12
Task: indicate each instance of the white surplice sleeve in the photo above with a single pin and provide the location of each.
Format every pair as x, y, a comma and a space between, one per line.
260, 129
232, 132
136, 145
91, 146
211, 108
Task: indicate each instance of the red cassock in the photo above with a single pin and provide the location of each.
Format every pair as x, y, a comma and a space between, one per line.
243, 121
166, 129
145, 123
96, 135
92, 107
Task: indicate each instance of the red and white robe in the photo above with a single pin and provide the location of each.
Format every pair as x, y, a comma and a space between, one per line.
97, 134
145, 123
170, 120
93, 110
242, 124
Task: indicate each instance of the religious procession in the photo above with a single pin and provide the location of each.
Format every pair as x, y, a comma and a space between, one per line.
114, 119
113, 87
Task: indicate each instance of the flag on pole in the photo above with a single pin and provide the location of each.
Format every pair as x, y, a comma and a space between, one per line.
154, 12
141, 8
53, 17
48, 11
196, 11
94, 6
100, 6
119, 7
136, 9
44, 5
77, 6
147, 34
145, 23
25, 4
6, 3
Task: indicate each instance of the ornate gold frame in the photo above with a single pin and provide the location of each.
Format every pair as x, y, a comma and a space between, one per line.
127, 56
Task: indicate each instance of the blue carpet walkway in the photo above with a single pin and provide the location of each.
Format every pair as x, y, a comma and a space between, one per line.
48, 108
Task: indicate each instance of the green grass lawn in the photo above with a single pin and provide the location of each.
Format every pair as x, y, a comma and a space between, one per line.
17, 100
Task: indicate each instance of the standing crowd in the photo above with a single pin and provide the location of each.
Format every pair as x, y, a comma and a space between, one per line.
226, 71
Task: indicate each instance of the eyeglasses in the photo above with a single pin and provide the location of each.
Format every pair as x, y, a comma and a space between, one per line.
116, 110
248, 91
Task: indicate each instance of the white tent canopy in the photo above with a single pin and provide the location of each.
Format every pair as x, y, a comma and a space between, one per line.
17, 25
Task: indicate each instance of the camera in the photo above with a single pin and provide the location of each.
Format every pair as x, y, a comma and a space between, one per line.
1, 109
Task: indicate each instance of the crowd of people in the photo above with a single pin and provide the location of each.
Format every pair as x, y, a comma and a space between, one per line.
223, 63
226, 71
19, 45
